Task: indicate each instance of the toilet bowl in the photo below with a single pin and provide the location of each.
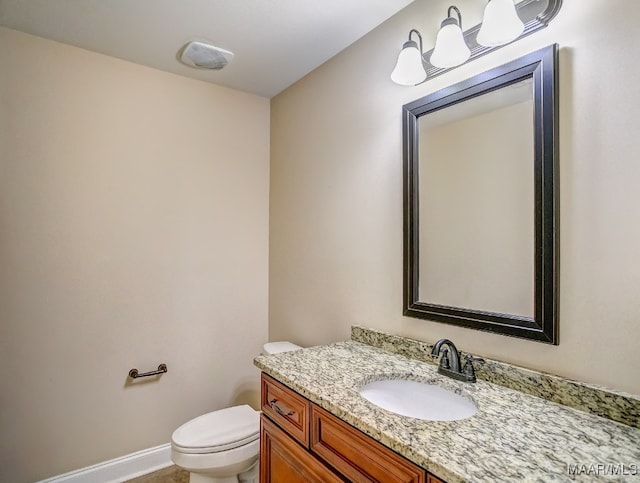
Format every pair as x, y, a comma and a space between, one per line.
222, 446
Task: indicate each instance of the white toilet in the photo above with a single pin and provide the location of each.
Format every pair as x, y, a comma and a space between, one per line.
223, 446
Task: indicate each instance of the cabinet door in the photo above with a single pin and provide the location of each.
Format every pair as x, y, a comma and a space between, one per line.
282, 460
356, 456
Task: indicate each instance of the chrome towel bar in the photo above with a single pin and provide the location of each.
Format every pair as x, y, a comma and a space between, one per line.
133, 373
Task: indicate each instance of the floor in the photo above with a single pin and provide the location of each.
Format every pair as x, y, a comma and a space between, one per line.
171, 474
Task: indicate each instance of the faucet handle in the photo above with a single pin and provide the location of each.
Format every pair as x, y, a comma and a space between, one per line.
443, 353
444, 360
469, 358
468, 368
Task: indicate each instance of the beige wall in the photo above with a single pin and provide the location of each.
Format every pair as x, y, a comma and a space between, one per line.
336, 193
133, 231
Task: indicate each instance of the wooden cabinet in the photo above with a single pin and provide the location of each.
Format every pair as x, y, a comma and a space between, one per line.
301, 442
284, 460
355, 455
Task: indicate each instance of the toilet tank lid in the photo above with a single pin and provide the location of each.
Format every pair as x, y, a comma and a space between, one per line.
225, 428
277, 347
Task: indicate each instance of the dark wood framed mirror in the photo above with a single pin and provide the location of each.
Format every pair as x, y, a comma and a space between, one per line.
480, 201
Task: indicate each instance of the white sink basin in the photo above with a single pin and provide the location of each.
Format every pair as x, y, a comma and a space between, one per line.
418, 400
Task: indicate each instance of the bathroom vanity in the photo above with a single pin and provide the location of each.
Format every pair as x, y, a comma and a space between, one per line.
317, 427
301, 442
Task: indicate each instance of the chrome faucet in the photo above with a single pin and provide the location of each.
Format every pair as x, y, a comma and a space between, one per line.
450, 361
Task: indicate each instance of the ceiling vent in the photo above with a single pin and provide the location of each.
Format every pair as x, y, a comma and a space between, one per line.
202, 55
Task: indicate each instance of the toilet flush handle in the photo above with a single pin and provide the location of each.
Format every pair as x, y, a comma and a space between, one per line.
282, 412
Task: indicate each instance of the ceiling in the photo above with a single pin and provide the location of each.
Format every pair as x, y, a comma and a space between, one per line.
275, 42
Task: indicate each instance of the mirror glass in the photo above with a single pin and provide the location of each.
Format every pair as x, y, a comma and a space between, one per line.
474, 170
480, 201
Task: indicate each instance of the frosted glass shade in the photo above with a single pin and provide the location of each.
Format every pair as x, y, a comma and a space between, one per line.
409, 70
500, 24
450, 49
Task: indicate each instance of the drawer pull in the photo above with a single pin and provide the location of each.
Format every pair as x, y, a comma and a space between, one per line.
279, 410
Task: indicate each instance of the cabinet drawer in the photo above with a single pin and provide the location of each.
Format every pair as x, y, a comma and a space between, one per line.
286, 408
356, 456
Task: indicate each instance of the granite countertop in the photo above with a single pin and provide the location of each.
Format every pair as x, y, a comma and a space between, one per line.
514, 437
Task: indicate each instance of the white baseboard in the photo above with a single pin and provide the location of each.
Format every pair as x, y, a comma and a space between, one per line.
120, 469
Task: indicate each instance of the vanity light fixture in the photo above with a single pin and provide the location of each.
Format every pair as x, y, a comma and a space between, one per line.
451, 49
409, 70
504, 21
500, 24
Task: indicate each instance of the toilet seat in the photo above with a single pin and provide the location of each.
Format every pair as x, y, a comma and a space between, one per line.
218, 431
224, 445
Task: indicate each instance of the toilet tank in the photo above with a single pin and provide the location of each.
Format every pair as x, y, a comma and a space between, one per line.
277, 347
